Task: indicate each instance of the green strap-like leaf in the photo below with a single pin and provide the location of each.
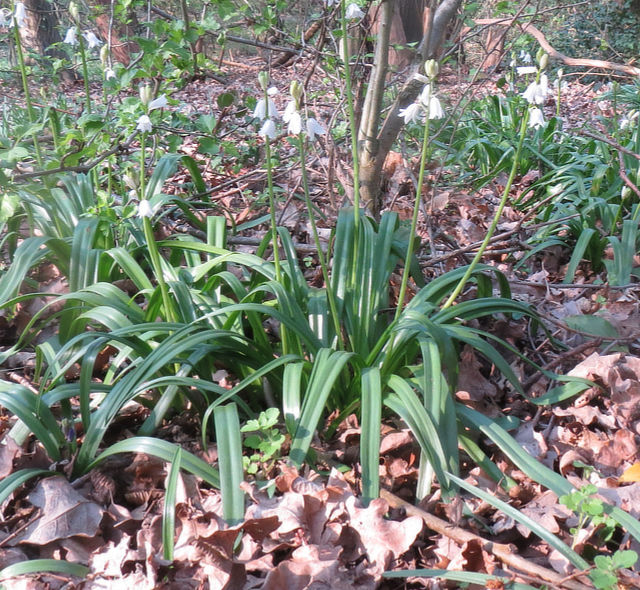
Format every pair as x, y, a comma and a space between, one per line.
371, 418
229, 441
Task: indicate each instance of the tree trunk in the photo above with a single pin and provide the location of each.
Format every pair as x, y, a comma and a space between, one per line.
368, 131
114, 31
433, 38
40, 30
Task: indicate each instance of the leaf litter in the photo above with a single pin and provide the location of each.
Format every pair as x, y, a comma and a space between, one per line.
314, 533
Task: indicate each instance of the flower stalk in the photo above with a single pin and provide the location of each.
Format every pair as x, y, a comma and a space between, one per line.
145, 212
433, 110
496, 218
352, 117
18, 22
316, 239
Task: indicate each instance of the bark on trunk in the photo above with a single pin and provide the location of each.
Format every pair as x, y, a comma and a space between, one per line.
433, 39
367, 135
41, 29
115, 32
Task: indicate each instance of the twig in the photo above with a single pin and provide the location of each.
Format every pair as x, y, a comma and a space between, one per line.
500, 550
20, 528
555, 54
623, 175
575, 285
607, 140
560, 358
84, 168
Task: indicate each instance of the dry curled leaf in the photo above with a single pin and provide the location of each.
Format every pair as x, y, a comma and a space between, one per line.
63, 513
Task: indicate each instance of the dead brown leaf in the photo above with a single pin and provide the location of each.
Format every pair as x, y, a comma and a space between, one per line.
63, 513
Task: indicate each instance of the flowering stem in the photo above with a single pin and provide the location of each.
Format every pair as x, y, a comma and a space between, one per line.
274, 230
314, 230
414, 219
272, 210
85, 70
352, 118
496, 217
154, 254
25, 87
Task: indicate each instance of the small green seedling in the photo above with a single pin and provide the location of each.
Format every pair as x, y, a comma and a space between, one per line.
591, 510
265, 439
604, 575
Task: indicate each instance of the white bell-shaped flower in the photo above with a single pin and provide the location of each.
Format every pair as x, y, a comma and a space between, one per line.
411, 114
435, 108
295, 124
92, 40
536, 92
353, 12
144, 209
268, 129
144, 124
314, 128
158, 103
71, 38
536, 118
20, 14
289, 110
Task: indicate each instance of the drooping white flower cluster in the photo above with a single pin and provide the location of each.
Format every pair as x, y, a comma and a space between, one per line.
144, 122
628, 119
427, 102
267, 113
537, 92
352, 12
19, 14
71, 38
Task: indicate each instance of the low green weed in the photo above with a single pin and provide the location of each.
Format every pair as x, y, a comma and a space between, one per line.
592, 513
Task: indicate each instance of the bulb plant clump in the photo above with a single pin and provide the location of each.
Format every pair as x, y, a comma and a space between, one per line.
161, 314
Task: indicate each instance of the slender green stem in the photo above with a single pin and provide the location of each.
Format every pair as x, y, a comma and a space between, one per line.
414, 219
272, 210
85, 70
352, 117
25, 88
496, 217
154, 254
274, 232
314, 230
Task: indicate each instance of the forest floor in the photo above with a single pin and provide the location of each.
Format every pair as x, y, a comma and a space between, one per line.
313, 533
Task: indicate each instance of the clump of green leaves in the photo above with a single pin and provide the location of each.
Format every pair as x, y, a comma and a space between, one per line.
591, 510
266, 441
604, 575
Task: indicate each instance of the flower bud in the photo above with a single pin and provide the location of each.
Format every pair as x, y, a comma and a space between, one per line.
431, 68
544, 61
296, 89
625, 192
104, 55
146, 94
131, 179
73, 11
263, 79
560, 73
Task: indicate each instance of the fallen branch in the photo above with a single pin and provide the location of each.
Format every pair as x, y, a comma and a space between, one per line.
538, 35
82, 168
503, 552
